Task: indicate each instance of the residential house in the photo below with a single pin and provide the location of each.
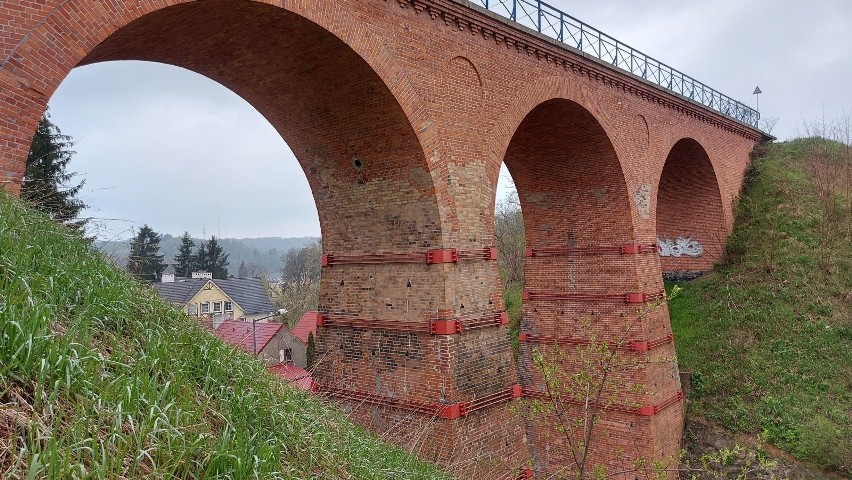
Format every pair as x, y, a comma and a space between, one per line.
295, 341
204, 296
262, 340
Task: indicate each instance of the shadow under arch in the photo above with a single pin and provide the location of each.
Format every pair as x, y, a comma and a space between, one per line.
691, 228
570, 185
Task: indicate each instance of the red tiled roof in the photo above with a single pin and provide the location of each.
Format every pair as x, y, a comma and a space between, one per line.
239, 334
296, 376
307, 324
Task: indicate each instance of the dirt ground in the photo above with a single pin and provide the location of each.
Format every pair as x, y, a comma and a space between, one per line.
702, 437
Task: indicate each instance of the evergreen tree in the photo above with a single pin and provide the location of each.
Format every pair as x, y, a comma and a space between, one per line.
217, 258
210, 257
184, 258
242, 272
46, 181
200, 261
145, 261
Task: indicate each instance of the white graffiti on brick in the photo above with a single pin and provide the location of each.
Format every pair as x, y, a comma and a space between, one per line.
679, 247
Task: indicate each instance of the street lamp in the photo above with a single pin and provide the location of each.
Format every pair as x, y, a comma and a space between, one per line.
757, 93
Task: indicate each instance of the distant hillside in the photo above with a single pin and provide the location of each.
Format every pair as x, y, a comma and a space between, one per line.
265, 252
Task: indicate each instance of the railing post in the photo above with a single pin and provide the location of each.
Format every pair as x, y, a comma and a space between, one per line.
539, 16
561, 27
514, 10
580, 44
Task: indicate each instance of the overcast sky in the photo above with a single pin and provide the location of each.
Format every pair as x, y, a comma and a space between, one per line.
167, 147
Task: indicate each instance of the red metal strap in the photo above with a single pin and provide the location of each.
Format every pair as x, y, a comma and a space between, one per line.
631, 248
630, 298
525, 474
633, 346
643, 411
444, 327
435, 326
648, 345
447, 411
445, 255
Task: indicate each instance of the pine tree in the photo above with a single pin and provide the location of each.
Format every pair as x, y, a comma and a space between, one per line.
217, 258
210, 257
184, 258
242, 272
46, 178
200, 261
145, 261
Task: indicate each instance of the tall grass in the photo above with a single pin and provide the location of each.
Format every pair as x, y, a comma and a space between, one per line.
100, 379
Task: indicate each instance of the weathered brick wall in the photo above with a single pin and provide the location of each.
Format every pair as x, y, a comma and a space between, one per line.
400, 113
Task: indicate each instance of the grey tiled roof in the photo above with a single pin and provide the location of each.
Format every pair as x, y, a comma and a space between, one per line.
179, 292
248, 293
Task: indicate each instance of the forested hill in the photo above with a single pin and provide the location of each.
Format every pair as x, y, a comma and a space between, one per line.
265, 252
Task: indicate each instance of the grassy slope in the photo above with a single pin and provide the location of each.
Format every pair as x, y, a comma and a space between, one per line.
98, 377
769, 335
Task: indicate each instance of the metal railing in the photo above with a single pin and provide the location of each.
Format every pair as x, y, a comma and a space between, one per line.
554, 23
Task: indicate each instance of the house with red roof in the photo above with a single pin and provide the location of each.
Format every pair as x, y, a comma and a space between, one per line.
295, 340
266, 341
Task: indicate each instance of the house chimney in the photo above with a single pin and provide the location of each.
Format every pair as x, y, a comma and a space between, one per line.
168, 278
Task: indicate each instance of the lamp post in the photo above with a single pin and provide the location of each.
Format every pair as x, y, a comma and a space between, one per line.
757, 93
254, 331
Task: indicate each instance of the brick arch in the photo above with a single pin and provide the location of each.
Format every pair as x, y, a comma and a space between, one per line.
583, 260
568, 174
553, 88
52, 38
689, 206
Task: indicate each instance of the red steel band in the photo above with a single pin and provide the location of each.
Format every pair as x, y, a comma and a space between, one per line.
633, 345
436, 326
429, 257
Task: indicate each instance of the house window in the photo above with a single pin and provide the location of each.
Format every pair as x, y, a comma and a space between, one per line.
286, 355
204, 308
217, 307
192, 309
229, 307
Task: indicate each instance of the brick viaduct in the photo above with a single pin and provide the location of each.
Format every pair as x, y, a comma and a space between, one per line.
400, 113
